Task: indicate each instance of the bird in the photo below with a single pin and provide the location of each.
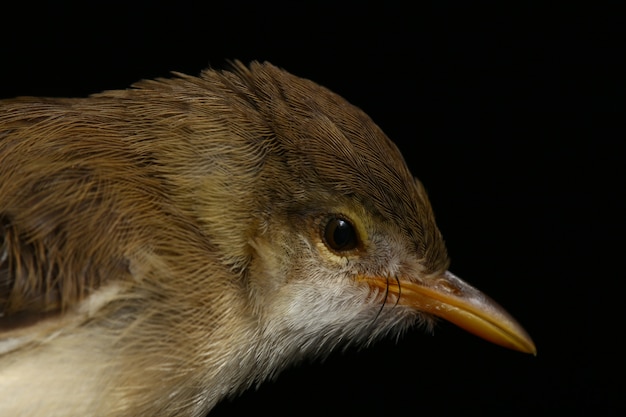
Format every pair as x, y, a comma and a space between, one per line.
171, 244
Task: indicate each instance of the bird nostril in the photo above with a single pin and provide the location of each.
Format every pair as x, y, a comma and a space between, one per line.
449, 287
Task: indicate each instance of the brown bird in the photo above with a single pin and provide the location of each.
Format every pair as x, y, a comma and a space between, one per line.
171, 244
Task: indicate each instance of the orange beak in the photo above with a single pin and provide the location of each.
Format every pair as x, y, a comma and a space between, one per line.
450, 298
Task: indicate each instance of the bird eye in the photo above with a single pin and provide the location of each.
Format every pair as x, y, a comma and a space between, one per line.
340, 235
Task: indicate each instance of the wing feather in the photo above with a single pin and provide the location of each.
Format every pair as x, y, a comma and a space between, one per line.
63, 181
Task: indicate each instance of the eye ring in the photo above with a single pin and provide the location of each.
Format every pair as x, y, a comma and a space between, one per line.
340, 235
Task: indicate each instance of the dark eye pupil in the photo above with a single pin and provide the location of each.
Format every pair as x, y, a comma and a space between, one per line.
340, 235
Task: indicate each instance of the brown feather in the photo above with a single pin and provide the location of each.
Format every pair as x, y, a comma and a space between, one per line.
147, 235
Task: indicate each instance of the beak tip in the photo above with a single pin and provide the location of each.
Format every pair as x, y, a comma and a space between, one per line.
531, 348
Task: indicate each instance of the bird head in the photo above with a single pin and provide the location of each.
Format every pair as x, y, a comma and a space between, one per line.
338, 242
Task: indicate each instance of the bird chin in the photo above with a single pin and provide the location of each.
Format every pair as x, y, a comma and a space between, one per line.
315, 324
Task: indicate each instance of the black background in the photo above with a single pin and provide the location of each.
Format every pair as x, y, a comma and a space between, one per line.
513, 118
